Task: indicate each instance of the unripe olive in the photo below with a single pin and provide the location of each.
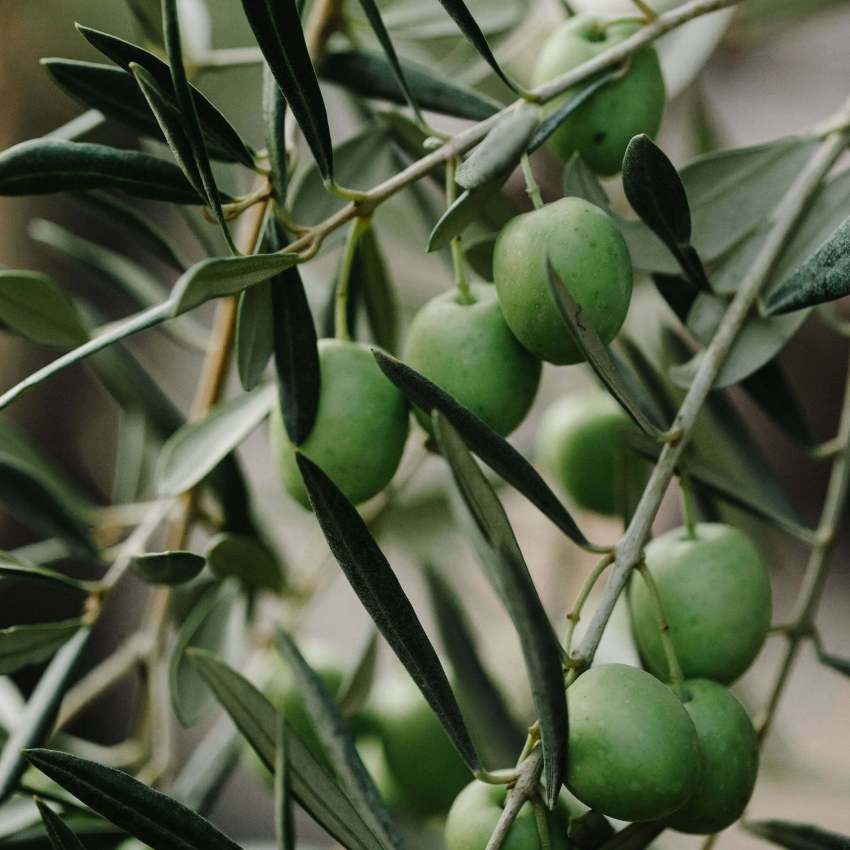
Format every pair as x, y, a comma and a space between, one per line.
730, 751
476, 811
360, 430
601, 128
468, 350
423, 761
634, 753
590, 256
580, 443
716, 596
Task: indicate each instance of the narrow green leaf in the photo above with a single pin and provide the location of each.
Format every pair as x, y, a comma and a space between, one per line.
371, 75
254, 334
311, 785
597, 354
494, 450
277, 28
155, 819
580, 181
357, 685
338, 743
797, 836
46, 166
175, 567
21, 646
507, 572
284, 821
377, 587
34, 306
220, 276
370, 277
36, 722
247, 559
12, 568
841, 665
274, 123
61, 835
501, 149
771, 390
657, 195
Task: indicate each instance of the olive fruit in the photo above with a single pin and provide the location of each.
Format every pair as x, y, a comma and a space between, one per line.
590, 256
730, 759
716, 595
580, 444
360, 430
634, 751
476, 811
427, 769
469, 351
601, 128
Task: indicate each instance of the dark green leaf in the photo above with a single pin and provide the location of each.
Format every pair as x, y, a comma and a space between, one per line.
175, 567
254, 334
246, 558
370, 277
771, 390
797, 836
311, 785
277, 28
597, 354
370, 75
338, 743
274, 123
377, 587
21, 646
501, 149
45, 166
284, 821
357, 685
841, 665
34, 306
36, 721
507, 572
580, 181
60, 834
155, 819
494, 450
224, 141
12, 568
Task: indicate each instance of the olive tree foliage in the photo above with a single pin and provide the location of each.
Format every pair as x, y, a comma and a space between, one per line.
743, 245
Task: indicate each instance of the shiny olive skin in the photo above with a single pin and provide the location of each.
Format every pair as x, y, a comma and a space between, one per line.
716, 596
468, 350
590, 256
360, 431
475, 813
580, 444
601, 128
730, 751
634, 753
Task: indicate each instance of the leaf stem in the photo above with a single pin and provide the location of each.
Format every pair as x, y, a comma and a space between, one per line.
458, 260
531, 186
575, 614
647, 10
358, 227
686, 493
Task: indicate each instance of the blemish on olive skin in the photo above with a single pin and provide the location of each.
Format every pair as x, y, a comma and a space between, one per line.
599, 139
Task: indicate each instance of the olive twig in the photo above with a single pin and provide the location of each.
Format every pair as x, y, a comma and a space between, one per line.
647, 10
542, 822
525, 788
358, 227
464, 294
574, 615
686, 493
532, 188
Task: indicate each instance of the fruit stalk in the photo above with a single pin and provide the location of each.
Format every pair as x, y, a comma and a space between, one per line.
524, 790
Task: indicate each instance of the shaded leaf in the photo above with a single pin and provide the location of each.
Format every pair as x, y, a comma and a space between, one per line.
274, 125
507, 572
247, 559
60, 834
12, 568
357, 685
580, 181
284, 820
370, 277
21, 646
841, 665
494, 450
479, 254
277, 28
175, 567
377, 587
45, 166
771, 390
797, 836
254, 334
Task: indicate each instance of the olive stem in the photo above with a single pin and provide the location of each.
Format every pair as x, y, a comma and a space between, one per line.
524, 790
358, 227
575, 614
686, 493
541, 821
458, 260
647, 10
532, 188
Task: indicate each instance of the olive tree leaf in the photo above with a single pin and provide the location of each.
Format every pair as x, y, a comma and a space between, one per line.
247, 559
284, 821
373, 580
657, 195
371, 75
771, 390
841, 665
370, 277
34, 306
277, 28
14, 569
61, 835
797, 836
338, 743
46, 166
155, 819
357, 685
36, 722
174, 567
254, 334
193, 451
274, 125
478, 252
508, 574
257, 719
494, 450
597, 354
580, 181
498, 731
21, 646
501, 149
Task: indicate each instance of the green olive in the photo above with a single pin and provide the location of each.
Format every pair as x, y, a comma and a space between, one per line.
475, 813
469, 351
360, 430
716, 596
590, 256
580, 443
422, 759
634, 751
601, 128
730, 751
